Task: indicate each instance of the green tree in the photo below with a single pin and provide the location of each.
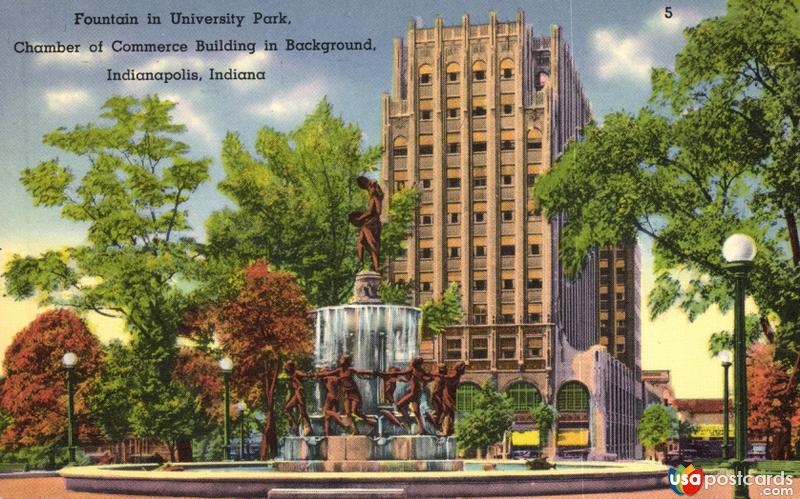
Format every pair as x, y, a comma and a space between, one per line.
715, 152
293, 202
543, 417
443, 311
657, 425
486, 424
132, 193
112, 395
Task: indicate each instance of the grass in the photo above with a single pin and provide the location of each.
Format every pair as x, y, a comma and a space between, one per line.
760, 467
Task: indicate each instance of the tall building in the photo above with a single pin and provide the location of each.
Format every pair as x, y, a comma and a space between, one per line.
620, 323
476, 112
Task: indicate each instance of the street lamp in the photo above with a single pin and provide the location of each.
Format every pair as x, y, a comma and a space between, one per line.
725, 358
739, 251
240, 408
226, 365
69, 361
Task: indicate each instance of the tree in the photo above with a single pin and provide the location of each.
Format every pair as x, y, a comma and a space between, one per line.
543, 417
112, 397
656, 426
293, 203
716, 152
488, 422
34, 391
769, 413
265, 324
442, 312
132, 195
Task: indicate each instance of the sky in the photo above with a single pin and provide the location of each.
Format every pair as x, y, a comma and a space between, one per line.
614, 43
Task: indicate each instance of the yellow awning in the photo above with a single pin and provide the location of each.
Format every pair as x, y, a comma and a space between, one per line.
525, 438
570, 438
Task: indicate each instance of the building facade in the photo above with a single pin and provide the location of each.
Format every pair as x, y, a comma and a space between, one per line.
476, 113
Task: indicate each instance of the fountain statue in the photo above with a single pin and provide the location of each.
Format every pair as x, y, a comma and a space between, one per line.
369, 377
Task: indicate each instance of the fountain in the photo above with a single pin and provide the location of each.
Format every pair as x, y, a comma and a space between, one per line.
374, 337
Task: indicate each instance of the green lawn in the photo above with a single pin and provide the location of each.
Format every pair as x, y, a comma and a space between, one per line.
761, 467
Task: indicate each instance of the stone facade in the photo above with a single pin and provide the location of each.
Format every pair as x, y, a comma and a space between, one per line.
476, 112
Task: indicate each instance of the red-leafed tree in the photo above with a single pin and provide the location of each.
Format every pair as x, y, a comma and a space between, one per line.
34, 392
770, 411
198, 369
267, 322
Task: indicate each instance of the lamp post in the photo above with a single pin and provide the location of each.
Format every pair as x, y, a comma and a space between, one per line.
226, 365
739, 251
725, 357
241, 407
69, 360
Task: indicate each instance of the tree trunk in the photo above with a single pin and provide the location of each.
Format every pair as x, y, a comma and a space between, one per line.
269, 435
171, 447
185, 451
794, 241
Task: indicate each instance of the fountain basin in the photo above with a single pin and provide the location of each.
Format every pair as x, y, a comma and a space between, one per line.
255, 480
362, 448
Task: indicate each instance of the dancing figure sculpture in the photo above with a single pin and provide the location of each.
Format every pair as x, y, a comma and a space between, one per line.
344, 377
416, 377
369, 222
295, 407
451, 382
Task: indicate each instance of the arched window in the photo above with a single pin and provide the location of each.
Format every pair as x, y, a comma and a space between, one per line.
534, 139
425, 74
465, 397
524, 396
453, 69
506, 69
400, 146
573, 397
479, 71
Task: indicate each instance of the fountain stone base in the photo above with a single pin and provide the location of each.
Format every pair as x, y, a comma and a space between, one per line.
362, 448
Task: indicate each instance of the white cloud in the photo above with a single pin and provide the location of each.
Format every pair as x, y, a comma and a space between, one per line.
66, 100
295, 102
196, 121
620, 57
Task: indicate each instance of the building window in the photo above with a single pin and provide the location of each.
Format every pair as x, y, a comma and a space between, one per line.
531, 179
507, 346
480, 217
452, 148
479, 285
508, 109
534, 284
507, 179
534, 139
508, 283
524, 397
478, 111
535, 317
506, 69
621, 347
453, 348
425, 74
506, 145
425, 286
426, 183
507, 215
425, 253
479, 182
399, 185
402, 253
465, 397
425, 115
507, 250
455, 252
453, 218
426, 220
533, 347
479, 349
479, 147
479, 71
480, 250
479, 319
400, 147
425, 149
507, 318
535, 249
453, 69
572, 396
452, 113
453, 183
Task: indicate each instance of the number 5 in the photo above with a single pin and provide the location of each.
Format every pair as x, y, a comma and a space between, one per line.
668, 12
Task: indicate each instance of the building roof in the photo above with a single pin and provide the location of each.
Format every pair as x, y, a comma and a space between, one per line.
698, 406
